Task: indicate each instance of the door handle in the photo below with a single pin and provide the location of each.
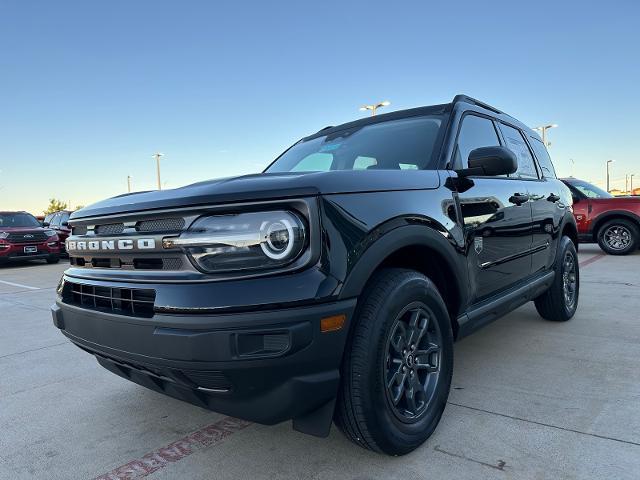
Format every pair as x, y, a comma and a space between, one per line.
519, 198
554, 198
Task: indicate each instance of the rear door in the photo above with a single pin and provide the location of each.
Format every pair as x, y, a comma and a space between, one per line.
545, 194
496, 215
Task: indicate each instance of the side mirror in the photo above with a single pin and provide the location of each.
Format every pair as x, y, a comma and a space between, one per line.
64, 224
490, 161
45, 224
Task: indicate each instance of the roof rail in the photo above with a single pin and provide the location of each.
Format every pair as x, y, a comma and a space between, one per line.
325, 128
468, 99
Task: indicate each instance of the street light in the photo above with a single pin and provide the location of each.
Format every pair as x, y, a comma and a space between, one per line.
631, 177
543, 130
129, 183
374, 107
608, 163
157, 157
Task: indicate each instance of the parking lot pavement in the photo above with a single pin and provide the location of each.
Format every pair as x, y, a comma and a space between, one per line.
530, 399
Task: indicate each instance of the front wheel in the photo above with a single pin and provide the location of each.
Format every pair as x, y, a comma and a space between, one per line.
397, 368
560, 302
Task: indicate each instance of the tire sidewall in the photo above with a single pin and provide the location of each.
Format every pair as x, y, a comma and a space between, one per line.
399, 436
567, 246
635, 234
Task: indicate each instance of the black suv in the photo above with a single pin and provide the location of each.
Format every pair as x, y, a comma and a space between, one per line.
333, 285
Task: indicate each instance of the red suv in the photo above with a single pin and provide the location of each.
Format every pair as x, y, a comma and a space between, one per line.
23, 237
613, 222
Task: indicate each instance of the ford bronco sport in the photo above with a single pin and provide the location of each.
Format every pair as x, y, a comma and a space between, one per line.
333, 285
613, 222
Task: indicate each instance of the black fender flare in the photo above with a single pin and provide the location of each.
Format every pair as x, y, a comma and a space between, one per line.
408, 236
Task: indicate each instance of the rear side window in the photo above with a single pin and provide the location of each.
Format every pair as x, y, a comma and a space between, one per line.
475, 132
517, 144
544, 160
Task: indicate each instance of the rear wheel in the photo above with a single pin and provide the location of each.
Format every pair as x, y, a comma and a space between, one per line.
619, 237
397, 369
53, 258
560, 302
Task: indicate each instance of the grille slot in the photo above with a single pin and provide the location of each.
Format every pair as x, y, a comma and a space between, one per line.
27, 237
110, 229
79, 230
161, 225
133, 302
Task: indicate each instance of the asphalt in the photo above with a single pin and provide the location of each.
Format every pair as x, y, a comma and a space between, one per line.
530, 399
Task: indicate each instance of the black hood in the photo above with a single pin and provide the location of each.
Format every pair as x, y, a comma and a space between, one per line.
264, 186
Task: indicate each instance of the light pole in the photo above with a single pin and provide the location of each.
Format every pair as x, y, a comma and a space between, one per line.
626, 183
375, 107
631, 177
543, 131
157, 157
129, 183
609, 162
573, 164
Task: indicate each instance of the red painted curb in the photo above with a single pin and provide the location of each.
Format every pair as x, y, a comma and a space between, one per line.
176, 451
589, 261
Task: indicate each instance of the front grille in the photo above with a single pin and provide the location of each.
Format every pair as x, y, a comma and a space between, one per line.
110, 229
79, 230
133, 302
27, 237
161, 225
136, 264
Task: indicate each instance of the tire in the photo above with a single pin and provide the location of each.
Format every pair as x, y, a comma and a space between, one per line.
399, 307
53, 259
553, 304
619, 237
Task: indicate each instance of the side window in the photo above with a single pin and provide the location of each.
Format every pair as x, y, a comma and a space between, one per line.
544, 160
475, 132
516, 143
64, 217
316, 162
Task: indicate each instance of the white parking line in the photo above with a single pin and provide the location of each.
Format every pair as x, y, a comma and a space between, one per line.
19, 285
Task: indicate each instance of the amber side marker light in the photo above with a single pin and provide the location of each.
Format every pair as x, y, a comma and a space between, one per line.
331, 324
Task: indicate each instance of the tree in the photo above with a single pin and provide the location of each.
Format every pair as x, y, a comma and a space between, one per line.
55, 205
78, 207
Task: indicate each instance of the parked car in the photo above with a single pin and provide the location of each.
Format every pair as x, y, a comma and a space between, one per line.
333, 284
23, 237
613, 222
59, 221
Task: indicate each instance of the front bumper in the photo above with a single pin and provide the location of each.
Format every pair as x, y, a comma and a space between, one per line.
264, 366
16, 251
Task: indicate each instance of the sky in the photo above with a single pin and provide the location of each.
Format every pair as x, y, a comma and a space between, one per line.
90, 90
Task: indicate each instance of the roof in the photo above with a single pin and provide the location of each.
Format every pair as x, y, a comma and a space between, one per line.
425, 110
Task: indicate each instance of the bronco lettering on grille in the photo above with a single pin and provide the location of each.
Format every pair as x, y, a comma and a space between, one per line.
106, 245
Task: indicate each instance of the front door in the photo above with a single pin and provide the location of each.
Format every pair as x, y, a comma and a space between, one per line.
497, 217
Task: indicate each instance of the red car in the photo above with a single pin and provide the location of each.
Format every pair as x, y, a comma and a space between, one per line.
59, 221
22, 237
613, 222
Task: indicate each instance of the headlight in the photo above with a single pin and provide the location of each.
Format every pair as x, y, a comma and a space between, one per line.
4, 235
246, 241
50, 233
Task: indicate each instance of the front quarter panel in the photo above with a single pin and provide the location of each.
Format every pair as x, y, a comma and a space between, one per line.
362, 230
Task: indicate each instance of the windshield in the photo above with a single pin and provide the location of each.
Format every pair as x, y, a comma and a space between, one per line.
18, 220
409, 143
588, 190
